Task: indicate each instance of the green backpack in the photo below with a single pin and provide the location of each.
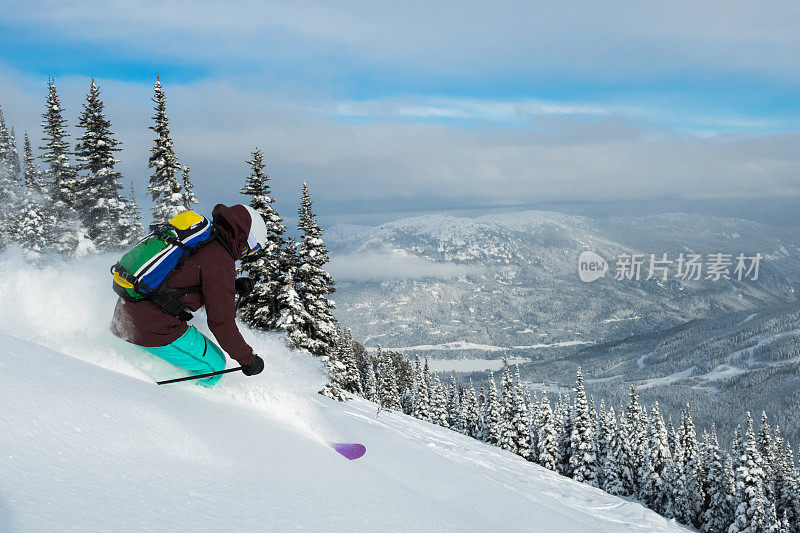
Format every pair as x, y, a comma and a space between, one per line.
142, 273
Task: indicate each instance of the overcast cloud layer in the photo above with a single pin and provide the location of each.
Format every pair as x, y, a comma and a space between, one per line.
419, 103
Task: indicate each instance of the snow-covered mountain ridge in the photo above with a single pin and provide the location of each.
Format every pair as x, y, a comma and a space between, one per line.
519, 271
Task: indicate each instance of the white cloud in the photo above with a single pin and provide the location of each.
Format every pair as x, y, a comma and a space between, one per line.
372, 266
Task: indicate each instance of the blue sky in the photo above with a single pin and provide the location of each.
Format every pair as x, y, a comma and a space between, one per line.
418, 104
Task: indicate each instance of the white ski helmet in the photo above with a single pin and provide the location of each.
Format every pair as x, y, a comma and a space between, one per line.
257, 237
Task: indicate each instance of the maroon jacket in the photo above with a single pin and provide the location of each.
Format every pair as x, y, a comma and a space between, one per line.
213, 268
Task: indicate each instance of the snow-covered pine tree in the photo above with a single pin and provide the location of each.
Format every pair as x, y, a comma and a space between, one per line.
56, 153
492, 417
719, 512
164, 188
602, 443
337, 373
189, 198
614, 471
692, 468
470, 412
454, 406
294, 319
260, 308
623, 455
676, 478
135, 215
533, 415
520, 419
30, 172
9, 188
314, 283
66, 234
508, 433
421, 408
31, 225
98, 202
767, 452
654, 493
583, 461
787, 489
750, 511
564, 413
637, 436
387, 382
351, 381
14, 155
547, 442
371, 384
439, 403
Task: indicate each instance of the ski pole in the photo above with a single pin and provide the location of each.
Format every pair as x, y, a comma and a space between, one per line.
187, 378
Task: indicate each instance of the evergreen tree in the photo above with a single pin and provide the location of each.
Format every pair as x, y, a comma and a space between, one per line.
623, 455
189, 198
691, 468
454, 406
565, 417
164, 188
97, 199
750, 512
767, 452
421, 408
583, 461
371, 384
787, 489
719, 512
508, 431
14, 153
9, 187
56, 153
31, 174
439, 403
547, 452
387, 383
63, 231
266, 268
351, 381
520, 420
602, 443
492, 418
659, 459
470, 412
31, 223
337, 374
314, 283
615, 472
135, 214
293, 319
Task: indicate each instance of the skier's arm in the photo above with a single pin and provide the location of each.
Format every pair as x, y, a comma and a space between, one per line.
219, 293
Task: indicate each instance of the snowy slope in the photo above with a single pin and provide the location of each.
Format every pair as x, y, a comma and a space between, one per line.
88, 448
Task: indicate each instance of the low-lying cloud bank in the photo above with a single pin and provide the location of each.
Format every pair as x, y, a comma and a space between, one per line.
372, 266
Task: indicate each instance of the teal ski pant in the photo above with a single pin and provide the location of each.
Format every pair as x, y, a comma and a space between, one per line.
194, 352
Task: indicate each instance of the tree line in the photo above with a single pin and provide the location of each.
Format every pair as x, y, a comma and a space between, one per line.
68, 201
752, 488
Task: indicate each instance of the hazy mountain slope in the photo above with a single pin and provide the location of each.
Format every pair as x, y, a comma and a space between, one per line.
511, 280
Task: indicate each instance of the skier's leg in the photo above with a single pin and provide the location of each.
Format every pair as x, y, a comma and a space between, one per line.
194, 352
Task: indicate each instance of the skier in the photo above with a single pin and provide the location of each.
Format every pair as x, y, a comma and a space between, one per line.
240, 231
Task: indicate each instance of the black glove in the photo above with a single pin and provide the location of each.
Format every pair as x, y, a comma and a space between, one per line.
255, 367
244, 286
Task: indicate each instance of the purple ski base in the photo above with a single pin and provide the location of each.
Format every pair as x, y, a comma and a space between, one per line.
351, 450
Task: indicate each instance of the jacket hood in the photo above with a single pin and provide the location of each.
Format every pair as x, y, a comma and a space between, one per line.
233, 225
